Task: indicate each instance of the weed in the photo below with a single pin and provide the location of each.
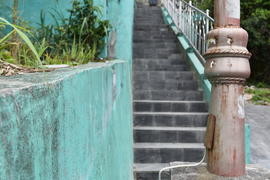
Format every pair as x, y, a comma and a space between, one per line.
259, 95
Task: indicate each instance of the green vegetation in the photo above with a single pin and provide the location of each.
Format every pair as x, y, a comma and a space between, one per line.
260, 93
6, 44
78, 39
255, 18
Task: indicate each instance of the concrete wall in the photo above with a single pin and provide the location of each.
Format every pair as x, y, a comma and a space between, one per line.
70, 124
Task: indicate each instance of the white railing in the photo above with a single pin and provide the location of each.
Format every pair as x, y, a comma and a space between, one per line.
191, 21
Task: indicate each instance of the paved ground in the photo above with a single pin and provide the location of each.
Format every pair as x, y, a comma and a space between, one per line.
259, 119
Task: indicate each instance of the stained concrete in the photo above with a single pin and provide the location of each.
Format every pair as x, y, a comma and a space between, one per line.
72, 123
258, 117
201, 173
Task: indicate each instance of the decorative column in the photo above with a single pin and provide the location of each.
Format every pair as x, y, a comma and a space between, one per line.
227, 67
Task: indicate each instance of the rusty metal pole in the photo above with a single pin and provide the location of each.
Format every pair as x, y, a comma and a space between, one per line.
227, 67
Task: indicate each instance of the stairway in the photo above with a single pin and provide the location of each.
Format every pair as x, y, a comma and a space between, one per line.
169, 111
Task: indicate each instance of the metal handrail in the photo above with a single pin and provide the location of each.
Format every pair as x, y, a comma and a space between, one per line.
191, 21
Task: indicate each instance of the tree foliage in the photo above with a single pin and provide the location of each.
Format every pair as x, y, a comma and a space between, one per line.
255, 18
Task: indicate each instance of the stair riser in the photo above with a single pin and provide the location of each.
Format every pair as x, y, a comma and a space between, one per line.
151, 176
155, 40
147, 155
143, 12
170, 107
145, 85
147, 67
160, 62
151, 28
163, 95
154, 21
154, 52
168, 136
162, 75
154, 33
142, 46
171, 120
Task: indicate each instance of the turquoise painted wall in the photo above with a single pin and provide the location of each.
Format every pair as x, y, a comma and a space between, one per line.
119, 12
69, 124
29, 10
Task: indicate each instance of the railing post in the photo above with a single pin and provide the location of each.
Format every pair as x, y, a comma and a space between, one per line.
227, 67
189, 18
180, 14
173, 9
207, 21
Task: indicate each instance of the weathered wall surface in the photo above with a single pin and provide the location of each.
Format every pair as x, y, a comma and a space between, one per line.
69, 124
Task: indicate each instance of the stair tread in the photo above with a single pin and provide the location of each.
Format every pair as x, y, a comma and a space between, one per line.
170, 113
164, 101
169, 92
149, 167
169, 145
166, 128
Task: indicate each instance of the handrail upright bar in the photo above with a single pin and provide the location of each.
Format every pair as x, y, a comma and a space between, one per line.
192, 22
189, 19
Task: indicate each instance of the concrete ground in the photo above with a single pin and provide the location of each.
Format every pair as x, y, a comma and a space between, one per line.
201, 173
259, 119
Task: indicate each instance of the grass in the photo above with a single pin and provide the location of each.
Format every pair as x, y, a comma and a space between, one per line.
260, 93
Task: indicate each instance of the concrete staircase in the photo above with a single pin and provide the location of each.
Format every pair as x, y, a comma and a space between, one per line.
169, 111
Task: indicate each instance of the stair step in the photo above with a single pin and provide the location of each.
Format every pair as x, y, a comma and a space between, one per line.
160, 27
155, 40
169, 134
149, 171
170, 119
170, 106
153, 21
180, 95
150, 67
159, 61
165, 85
162, 75
168, 152
154, 53
142, 45
154, 33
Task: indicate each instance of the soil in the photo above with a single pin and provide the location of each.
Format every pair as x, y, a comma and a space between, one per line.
8, 69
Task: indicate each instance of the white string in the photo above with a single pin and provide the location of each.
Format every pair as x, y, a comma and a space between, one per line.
181, 165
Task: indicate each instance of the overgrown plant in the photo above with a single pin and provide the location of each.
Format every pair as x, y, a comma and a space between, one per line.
83, 31
77, 39
7, 41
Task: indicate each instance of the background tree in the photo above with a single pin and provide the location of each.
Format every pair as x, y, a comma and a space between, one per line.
255, 18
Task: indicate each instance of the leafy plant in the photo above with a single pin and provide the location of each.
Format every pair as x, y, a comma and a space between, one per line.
23, 36
83, 31
77, 39
259, 95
